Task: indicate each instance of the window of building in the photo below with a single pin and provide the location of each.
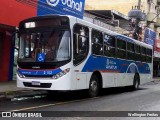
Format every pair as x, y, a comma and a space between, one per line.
97, 42
80, 43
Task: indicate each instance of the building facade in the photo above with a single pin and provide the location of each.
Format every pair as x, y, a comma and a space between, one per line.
152, 11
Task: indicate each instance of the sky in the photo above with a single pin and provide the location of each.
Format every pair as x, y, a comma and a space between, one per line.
122, 6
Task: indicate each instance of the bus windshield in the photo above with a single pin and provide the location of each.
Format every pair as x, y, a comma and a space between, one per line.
52, 45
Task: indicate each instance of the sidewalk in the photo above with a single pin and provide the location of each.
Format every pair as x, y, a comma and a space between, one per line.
9, 86
9, 90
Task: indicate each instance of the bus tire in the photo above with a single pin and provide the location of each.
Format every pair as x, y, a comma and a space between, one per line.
93, 86
136, 82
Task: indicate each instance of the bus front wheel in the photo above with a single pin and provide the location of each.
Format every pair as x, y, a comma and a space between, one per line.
93, 86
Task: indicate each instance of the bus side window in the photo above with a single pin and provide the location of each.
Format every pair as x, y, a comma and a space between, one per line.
121, 49
137, 53
97, 42
80, 43
143, 54
109, 45
130, 51
148, 55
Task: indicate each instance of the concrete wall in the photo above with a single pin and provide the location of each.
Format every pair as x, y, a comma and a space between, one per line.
12, 12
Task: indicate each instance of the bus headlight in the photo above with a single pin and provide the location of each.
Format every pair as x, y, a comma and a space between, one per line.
60, 74
20, 75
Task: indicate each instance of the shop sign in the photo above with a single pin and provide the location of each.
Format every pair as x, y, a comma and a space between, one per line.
157, 48
61, 7
149, 36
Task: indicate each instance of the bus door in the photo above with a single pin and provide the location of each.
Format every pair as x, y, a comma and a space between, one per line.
80, 53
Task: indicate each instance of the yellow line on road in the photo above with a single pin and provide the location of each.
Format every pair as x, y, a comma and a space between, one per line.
47, 105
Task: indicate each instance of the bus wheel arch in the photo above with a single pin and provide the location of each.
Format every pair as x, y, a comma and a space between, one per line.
95, 84
136, 81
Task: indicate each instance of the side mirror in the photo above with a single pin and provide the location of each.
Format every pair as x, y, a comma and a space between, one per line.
15, 40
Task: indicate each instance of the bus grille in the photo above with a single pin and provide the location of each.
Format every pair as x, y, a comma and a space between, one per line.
42, 85
39, 76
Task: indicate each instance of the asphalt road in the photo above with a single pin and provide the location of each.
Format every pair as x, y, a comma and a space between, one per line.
147, 98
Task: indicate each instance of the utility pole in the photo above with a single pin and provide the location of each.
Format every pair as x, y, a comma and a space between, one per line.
139, 4
136, 31
136, 14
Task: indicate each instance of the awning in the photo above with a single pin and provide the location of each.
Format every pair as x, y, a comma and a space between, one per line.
7, 27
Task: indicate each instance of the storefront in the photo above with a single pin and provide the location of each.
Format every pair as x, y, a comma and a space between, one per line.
150, 38
6, 51
156, 62
12, 12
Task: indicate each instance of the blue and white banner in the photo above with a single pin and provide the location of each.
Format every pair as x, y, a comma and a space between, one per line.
150, 36
62, 7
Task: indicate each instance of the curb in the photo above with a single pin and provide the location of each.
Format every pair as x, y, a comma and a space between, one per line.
18, 94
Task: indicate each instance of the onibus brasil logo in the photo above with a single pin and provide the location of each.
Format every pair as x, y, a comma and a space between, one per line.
69, 3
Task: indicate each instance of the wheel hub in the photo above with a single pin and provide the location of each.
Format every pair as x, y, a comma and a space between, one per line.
94, 86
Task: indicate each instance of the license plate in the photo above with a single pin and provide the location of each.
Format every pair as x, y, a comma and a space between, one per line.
36, 83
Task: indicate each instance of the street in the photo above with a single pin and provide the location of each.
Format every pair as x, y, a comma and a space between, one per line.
79, 44
147, 98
